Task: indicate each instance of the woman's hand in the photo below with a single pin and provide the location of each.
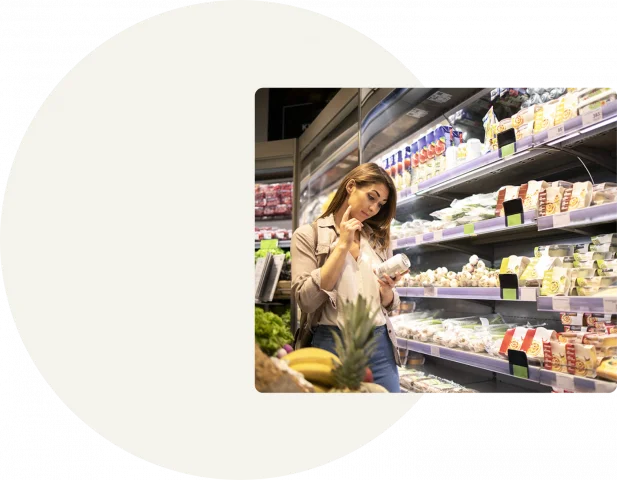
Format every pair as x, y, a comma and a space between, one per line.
348, 228
386, 286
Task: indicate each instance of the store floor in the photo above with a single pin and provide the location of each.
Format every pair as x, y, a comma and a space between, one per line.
481, 380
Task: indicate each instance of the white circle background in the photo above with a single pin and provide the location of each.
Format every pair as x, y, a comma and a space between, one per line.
127, 228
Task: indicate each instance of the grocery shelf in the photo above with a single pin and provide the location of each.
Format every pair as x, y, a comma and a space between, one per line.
499, 365
578, 304
597, 214
526, 294
483, 227
282, 244
574, 131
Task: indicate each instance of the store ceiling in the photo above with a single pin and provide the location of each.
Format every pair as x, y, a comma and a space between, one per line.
291, 110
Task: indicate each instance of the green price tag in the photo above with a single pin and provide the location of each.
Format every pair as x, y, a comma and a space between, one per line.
469, 229
269, 244
514, 220
520, 372
509, 294
508, 150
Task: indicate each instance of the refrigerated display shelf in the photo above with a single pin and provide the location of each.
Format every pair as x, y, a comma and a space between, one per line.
574, 131
499, 365
578, 304
526, 294
595, 215
282, 244
483, 227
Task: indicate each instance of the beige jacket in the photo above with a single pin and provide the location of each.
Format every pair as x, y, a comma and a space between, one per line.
306, 275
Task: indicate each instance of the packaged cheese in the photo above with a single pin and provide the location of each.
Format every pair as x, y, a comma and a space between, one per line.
563, 250
579, 197
526, 115
544, 116
556, 281
557, 361
550, 201
532, 194
567, 109
608, 369
524, 131
605, 247
505, 194
534, 272
610, 238
514, 265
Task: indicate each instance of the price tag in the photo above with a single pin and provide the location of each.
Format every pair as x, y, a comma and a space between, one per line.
520, 371
564, 381
610, 305
508, 150
419, 239
592, 117
556, 132
267, 235
414, 189
268, 244
509, 294
430, 292
528, 294
514, 220
469, 229
561, 219
561, 304
438, 235
434, 350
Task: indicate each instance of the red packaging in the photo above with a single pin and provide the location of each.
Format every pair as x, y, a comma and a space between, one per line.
259, 211
268, 211
282, 209
272, 201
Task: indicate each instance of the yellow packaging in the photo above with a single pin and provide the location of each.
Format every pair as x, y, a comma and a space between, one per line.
525, 130
608, 369
556, 281
530, 202
534, 272
585, 363
544, 116
581, 195
558, 357
526, 115
514, 264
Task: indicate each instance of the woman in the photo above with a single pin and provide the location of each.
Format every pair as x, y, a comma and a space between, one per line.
353, 237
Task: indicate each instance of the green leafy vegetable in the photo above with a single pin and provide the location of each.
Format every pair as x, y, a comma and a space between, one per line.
262, 252
271, 332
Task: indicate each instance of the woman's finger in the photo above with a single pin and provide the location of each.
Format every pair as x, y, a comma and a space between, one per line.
346, 214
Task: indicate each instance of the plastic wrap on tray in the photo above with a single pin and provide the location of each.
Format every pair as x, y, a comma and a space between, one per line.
482, 337
407, 377
433, 384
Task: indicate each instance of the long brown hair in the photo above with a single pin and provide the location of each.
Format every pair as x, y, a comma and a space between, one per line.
364, 175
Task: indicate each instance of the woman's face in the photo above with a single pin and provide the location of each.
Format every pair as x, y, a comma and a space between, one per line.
366, 202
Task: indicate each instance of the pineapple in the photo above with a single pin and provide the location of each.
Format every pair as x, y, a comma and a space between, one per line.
354, 348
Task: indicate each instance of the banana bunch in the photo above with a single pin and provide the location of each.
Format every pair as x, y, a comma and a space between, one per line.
315, 364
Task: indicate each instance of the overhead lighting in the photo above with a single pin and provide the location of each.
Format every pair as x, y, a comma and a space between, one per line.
598, 125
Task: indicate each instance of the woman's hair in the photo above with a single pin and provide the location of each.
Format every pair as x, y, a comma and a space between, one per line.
363, 176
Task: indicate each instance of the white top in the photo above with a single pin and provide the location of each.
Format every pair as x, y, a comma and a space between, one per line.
357, 279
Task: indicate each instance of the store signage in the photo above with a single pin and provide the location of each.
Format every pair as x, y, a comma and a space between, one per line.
508, 286
519, 367
469, 229
269, 244
513, 212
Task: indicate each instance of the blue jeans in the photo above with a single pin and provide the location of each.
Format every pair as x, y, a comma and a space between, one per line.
381, 363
